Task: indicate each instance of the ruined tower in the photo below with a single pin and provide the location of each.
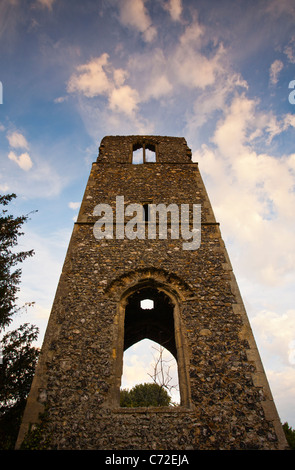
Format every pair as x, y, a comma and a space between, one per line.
198, 315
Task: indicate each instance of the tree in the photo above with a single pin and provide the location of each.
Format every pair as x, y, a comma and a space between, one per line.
290, 435
161, 371
19, 357
10, 230
16, 374
147, 394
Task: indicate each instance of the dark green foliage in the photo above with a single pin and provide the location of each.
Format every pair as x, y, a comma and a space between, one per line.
16, 375
10, 230
18, 356
34, 439
148, 394
290, 435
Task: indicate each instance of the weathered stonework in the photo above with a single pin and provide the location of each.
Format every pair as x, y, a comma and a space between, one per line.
226, 402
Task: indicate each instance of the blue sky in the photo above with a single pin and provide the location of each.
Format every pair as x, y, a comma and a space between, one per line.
216, 72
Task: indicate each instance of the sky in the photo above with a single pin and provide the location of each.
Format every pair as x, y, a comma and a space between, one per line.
215, 72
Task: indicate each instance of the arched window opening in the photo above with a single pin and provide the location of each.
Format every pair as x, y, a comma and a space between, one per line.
137, 156
147, 362
150, 154
143, 153
151, 314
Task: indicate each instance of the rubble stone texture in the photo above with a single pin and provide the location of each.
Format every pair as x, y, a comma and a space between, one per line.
198, 314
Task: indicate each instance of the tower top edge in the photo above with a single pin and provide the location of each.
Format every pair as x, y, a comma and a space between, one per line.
120, 148
142, 137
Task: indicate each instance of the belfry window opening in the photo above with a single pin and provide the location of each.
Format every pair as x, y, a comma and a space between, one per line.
143, 153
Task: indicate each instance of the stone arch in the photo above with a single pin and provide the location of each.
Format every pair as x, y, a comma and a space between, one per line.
162, 324
177, 286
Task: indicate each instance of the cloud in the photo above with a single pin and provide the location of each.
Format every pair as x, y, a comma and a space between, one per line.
282, 384
188, 67
133, 14
124, 99
192, 67
258, 198
91, 79
74, 205
41, 178
289, 50
60, 99
151, 73
277, 334
174, 7
274, 71
24, 161
17, 140
99, 78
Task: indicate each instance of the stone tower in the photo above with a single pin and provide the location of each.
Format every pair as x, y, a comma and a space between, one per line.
198, 315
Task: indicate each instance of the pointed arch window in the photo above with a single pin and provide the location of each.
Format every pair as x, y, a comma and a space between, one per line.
150, 313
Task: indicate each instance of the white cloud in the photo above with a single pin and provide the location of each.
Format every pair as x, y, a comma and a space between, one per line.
150, 71
134, 14
74, 205
124, 99
159, 87
276, 333
120, 76
24, 161
17, 140
274, 71
192, 67
193, 33
99, 77
258, 198
174, 7
282, 384
91, 79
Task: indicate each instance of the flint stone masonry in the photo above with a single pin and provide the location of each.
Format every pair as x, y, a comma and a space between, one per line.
226, 402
